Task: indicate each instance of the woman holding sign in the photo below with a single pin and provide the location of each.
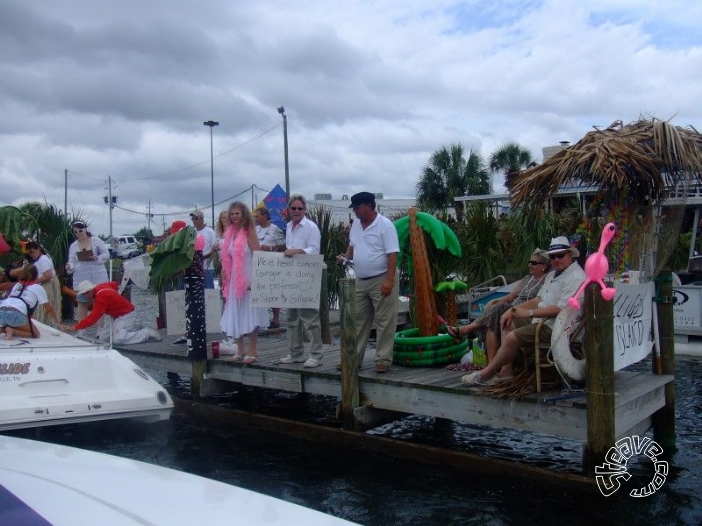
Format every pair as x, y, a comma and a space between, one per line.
239, 317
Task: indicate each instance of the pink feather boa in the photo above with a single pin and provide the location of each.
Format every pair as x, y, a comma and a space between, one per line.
234, 264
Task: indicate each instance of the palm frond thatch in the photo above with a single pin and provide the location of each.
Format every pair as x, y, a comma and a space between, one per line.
642, 158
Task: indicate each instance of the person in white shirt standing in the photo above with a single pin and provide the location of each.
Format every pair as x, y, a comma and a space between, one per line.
373, 247
272, 239
210, 237
302, 236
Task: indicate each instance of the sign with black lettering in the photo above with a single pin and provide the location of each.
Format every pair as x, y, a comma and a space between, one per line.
286, 282
632, 323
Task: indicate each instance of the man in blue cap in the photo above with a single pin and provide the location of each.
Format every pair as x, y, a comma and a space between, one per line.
373, 247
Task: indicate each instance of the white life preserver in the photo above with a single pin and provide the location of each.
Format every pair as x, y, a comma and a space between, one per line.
568, 320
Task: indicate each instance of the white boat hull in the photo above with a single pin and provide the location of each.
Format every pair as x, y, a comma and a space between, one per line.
63, 486
59, 379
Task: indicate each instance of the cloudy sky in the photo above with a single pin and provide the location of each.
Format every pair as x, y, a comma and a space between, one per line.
120, 90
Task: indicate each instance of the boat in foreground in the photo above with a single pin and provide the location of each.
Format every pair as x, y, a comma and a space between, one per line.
49, 484
60, 379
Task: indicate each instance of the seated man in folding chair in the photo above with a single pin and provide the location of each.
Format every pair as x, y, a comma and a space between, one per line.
519, 323
105, 299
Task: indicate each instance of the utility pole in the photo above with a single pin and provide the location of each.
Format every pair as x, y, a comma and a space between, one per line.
211, 124
281, 110
110, 199
65, 192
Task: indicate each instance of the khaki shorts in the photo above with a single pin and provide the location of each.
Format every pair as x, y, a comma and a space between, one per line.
526, 332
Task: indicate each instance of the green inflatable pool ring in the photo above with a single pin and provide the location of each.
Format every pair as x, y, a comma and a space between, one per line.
413, 350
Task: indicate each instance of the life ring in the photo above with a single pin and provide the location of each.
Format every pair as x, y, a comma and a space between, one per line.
568, 320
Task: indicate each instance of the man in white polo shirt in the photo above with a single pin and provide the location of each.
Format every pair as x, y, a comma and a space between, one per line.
373, 247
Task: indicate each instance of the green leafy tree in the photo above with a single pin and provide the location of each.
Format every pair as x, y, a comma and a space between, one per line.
449, 175
511, 158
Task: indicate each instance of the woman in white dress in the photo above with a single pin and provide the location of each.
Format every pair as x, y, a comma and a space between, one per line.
87, 256
47, 278
239, 317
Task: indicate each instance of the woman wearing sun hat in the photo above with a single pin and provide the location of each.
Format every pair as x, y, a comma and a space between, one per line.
87, 256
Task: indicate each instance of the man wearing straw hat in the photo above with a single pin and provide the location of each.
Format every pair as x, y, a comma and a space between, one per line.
106, 300
519, 323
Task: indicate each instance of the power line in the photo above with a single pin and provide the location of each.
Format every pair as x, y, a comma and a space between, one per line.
164, 174
182, 212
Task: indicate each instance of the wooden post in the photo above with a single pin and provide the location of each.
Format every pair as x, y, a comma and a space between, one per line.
664, 418
599, 353
349, 357
324, 308
194, 278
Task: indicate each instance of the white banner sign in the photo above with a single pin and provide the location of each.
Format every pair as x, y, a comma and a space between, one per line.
289, 283
632, 323
175, 311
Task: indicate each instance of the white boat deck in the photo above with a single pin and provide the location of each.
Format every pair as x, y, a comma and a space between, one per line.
57, 379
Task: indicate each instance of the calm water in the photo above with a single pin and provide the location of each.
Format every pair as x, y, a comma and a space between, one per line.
377, 490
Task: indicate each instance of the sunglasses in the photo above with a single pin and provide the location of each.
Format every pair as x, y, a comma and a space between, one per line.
558, 256
296, 208
79, 231
535, 263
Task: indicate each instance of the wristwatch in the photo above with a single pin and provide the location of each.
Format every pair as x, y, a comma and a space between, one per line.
531, 313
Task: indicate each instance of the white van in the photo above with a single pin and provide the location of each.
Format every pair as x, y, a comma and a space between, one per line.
127, 247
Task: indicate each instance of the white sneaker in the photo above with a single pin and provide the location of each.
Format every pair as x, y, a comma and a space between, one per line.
153, 334
291, 359
312, 362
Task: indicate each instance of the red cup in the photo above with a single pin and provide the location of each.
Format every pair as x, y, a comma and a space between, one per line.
215, 350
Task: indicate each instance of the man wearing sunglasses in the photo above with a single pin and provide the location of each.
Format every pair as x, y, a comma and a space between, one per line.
302, 236
519, 323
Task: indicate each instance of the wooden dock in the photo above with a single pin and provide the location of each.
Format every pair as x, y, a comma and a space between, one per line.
435, 392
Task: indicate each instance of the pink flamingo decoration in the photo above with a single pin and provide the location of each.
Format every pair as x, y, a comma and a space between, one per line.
596, 268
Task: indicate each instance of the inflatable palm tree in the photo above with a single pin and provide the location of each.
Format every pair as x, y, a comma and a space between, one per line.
413, 228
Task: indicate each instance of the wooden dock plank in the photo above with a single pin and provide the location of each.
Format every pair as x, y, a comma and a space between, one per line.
435, 392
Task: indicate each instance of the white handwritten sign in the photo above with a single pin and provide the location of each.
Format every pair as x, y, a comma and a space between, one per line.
632, 323
175, 311
290, 283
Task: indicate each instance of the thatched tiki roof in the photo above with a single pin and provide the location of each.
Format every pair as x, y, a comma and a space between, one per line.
640, 159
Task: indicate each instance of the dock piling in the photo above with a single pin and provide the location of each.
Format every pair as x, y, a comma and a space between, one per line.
599, 350
350, 398
664, 418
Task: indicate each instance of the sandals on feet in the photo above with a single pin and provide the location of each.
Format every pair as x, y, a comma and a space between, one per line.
248, 360
238, 358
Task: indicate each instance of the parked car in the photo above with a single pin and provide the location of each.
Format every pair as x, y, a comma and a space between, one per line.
127, 247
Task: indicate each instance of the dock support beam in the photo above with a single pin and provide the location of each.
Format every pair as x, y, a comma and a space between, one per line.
349, 357
324, 308
599, 353
664, 418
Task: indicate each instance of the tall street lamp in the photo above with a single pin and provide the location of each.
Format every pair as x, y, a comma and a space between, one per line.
281, 110
211, 124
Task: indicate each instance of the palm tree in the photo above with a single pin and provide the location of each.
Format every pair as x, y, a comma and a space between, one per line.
448, 175
511, 158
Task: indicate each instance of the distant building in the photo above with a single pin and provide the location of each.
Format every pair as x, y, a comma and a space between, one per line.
341, 213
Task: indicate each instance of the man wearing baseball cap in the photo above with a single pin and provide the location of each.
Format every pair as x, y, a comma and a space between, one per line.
373, 247
210, 237
105, 299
